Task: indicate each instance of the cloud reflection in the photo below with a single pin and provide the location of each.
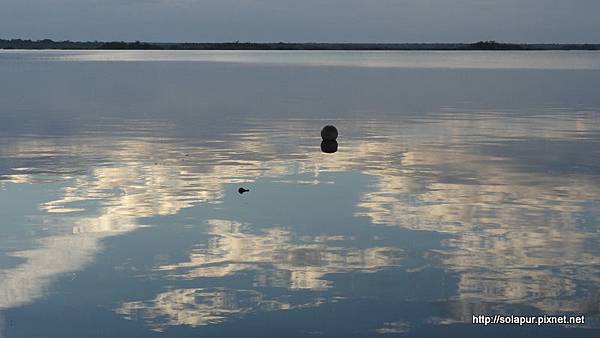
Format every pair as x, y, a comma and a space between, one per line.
517, 235
198, 307
304, 264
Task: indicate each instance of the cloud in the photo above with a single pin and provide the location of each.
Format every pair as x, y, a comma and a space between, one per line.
311, 20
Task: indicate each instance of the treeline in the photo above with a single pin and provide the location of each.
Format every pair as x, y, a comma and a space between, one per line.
121, 45
77, 45
493, 45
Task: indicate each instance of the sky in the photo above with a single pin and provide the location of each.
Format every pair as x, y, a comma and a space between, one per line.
303, 20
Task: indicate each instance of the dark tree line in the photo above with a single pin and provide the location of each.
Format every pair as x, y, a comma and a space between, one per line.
122, 45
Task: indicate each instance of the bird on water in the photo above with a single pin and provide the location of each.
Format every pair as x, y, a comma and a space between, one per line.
243, 190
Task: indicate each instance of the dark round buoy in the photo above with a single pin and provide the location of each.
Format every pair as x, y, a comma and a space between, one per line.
329, 147
243, 190
329, 133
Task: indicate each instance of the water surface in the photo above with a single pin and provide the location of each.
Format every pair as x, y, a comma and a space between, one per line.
465, 183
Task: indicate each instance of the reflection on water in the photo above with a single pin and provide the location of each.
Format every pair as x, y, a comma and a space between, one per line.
370, 59
198, 307
297, 266
531, 233
329, 147
416, 223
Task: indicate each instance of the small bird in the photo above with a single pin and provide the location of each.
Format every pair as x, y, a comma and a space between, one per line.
243, 190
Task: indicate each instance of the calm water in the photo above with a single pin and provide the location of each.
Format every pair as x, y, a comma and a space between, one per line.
465, 183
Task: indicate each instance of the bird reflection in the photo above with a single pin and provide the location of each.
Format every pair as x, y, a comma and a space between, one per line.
329, 147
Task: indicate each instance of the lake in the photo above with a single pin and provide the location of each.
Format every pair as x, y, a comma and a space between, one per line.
464, 183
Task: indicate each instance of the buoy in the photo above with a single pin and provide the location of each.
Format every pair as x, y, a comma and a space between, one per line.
243, 190
329, 133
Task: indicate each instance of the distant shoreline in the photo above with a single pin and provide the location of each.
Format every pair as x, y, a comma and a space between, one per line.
121, 45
